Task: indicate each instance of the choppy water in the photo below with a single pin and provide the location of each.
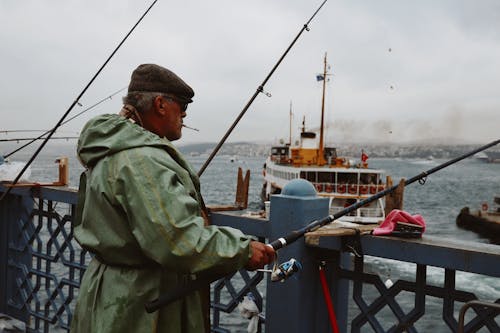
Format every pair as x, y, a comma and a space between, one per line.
467, 183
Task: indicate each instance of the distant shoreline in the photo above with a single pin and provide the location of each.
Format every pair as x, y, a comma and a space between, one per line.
374, 150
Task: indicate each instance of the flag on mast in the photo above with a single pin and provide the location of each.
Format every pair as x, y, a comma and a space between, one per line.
364, 156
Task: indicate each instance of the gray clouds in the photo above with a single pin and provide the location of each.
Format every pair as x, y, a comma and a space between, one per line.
443, 66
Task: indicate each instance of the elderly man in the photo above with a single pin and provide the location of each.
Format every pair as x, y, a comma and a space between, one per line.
142, 215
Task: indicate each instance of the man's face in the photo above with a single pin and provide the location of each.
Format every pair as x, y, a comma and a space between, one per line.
172, 121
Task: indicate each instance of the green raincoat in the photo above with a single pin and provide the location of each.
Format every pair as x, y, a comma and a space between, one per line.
142, 220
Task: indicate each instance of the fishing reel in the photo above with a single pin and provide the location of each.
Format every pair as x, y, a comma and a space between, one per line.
284, 270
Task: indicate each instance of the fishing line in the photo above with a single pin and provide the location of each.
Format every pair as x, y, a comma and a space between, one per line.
76, 101
327, 296
67, 121
260, 89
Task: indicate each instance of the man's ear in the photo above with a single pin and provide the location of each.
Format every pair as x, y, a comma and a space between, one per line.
159, 105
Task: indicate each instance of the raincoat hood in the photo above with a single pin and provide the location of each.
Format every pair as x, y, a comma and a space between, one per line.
108, 134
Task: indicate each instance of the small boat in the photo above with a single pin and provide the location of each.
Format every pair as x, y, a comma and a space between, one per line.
343, 181
490, 156
484, 221
481, 156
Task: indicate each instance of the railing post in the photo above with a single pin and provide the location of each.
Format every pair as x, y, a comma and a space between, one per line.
14, 211
296, 305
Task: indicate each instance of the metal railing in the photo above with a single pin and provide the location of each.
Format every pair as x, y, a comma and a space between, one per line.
41, 267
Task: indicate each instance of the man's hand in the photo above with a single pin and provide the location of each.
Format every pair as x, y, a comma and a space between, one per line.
262, 255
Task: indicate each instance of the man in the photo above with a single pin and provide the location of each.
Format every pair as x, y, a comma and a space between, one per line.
141, 213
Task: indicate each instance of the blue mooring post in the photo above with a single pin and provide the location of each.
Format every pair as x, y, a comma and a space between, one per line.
296, 305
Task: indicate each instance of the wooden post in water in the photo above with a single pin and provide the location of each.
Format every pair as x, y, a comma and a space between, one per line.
394, 200
63, 171
241, 198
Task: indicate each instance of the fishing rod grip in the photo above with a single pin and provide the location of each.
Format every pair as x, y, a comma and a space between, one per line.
176, 294
284, 241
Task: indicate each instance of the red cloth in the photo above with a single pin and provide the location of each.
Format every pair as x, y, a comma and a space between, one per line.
398, 216
364, 157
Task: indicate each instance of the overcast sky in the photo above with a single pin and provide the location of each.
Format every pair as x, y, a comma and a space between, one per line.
402, 70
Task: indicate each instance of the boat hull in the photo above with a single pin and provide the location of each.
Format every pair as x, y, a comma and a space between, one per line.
485, 224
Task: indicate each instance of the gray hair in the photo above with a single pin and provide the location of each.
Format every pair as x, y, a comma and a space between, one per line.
142, 101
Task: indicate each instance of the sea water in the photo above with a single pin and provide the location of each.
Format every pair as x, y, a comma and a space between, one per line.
466, 183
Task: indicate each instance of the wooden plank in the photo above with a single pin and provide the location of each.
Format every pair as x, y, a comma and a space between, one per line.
338, 229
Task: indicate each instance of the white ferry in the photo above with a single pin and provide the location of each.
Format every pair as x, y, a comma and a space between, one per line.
341, 180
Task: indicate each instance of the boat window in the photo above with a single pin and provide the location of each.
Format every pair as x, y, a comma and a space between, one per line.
347, 178
330, 152
279, 151
311, 176
325, 177
368, 178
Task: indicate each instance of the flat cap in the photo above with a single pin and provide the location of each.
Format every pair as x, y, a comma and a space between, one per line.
154, 78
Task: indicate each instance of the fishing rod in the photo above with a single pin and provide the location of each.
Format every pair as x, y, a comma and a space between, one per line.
65, 122
260, 89
20, 131
34, 139
288, 268
76, 101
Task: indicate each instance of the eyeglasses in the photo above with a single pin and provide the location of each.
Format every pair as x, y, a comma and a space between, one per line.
182, 105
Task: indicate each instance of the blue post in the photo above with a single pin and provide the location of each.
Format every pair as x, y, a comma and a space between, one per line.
296, 305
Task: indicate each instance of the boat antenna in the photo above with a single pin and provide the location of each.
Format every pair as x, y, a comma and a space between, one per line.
65, 122
76, 101
260, 89
282, 242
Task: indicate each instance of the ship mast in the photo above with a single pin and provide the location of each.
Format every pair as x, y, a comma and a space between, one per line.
321, 150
